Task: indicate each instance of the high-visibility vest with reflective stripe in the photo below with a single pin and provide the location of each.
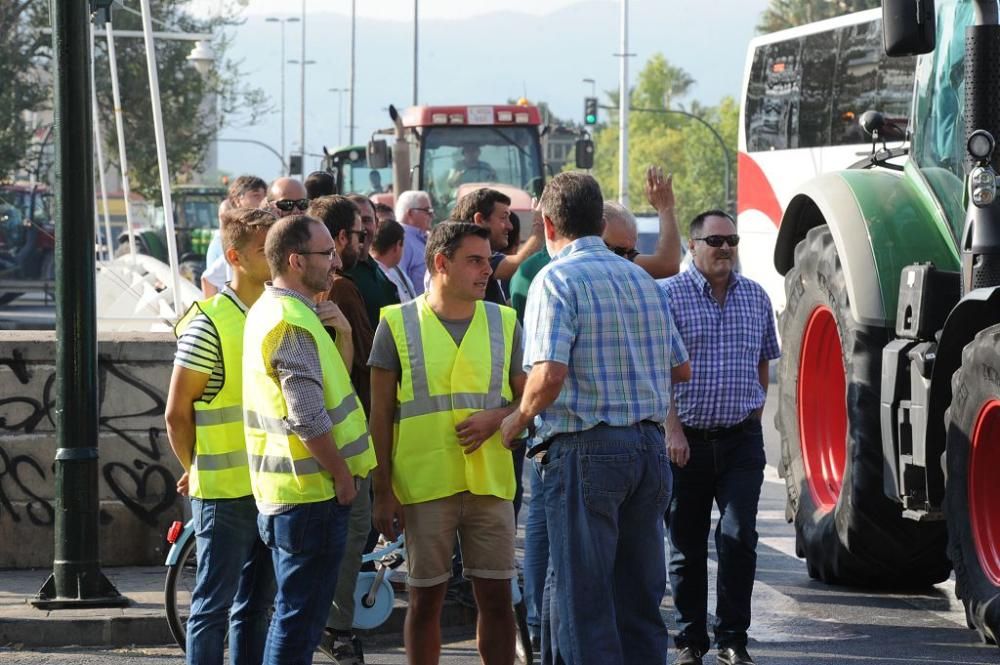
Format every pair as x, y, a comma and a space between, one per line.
440, 386
281, 468
219, 460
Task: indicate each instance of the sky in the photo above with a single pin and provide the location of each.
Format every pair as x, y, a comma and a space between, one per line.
471, 52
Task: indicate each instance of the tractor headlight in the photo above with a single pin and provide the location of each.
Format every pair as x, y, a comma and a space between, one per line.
983, 182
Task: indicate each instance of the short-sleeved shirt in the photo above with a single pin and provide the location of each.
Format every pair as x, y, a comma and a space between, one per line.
376, 289
521, 281
200, 349
726, 344
385, 355
218, 272
605, 319
413, 262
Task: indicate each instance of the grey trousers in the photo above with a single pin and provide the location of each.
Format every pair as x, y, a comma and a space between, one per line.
360, 523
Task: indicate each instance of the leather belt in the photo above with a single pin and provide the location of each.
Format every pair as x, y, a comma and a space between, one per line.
716, 433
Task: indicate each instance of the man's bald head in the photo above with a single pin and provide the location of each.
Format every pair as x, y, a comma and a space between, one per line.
620, 229
286, 189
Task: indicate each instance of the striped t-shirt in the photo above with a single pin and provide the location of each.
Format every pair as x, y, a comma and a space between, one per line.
199, 349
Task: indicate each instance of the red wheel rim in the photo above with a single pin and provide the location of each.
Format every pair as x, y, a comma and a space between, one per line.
984, 490
822, 399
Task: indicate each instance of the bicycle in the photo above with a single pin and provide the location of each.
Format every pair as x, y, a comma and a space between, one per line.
373, 593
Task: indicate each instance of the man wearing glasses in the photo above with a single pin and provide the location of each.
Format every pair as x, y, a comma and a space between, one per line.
377, 290
714, 439
306, 432
621, 233
415, 213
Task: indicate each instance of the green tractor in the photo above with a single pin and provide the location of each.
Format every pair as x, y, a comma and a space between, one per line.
196, 218
889, 383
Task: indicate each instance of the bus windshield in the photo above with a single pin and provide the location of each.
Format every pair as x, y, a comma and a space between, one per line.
452, 156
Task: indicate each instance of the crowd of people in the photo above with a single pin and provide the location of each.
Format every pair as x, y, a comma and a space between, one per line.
355, 371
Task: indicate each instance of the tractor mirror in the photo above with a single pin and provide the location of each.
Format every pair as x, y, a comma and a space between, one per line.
378, 154
907, 27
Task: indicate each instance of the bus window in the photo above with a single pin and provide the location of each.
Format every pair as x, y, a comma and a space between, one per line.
819, 61
856, 78
773, 121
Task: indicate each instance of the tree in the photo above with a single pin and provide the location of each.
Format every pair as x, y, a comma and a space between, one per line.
782, 14
195, 107
679, 144
24, 89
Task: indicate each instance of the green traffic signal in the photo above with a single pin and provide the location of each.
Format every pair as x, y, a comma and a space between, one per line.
590, 110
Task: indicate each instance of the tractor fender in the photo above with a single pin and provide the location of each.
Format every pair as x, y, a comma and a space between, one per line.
880, 222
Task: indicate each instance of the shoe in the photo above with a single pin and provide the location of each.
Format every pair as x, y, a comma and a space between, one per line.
688, 656
734, 656
343, 651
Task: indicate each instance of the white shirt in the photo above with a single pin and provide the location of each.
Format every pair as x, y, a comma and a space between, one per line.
404, 287
218, 273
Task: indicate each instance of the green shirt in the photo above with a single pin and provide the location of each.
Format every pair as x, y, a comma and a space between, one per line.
376, 289
521, 281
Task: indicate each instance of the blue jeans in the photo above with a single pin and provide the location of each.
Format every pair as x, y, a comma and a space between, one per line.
234, 587
730, 472
536, 549
605, 493
307, 544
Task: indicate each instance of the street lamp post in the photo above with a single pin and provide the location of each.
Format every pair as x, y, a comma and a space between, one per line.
340, 115
283, 21
302, 109
593, 86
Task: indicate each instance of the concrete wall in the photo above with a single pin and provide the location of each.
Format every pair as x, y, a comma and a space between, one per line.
137, 470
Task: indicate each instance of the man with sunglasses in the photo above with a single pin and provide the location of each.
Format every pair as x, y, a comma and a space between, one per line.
287, 196
621, 233
715, 442
377, 290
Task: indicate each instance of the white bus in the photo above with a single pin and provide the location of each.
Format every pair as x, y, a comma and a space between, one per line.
804, 90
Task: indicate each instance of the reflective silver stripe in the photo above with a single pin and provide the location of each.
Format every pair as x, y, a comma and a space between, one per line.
441, 403
274, 464
339, 413
223, 416
415, 349
221, 461
497, 347
269, 424
357, 447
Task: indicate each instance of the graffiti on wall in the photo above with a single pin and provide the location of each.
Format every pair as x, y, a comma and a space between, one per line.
137, 475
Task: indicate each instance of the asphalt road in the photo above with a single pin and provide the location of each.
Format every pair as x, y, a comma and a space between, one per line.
796, 620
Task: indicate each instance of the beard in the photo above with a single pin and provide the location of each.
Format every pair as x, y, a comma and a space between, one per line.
348, 258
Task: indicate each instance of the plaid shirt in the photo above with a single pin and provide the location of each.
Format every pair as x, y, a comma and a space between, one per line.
606, 319
726, 345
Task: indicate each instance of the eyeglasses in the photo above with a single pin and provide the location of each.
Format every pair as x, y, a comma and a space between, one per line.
284, 205
362, 234
329, 253
429, 211
716, 241
624, 252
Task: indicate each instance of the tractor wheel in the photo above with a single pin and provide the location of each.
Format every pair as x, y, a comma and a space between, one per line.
828, 416
972, 492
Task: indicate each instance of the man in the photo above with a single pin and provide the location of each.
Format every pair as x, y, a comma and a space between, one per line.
319, 183
491, 209
599, 381
445, 369
234, 578
307, 439
621, 233
384, 212
247, 191
387, 251
471, 168
376, 289
716, 445
285, 196
414, 212
343, 220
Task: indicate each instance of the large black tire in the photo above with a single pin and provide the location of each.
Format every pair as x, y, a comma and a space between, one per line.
973, 422
851, 534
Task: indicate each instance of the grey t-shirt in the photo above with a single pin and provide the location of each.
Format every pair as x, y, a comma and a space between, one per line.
385, 355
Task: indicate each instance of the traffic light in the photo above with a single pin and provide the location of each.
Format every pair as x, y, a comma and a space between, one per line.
590, 110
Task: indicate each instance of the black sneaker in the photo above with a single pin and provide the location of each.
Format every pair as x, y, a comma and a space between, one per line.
734, 656
688, 656
341, 650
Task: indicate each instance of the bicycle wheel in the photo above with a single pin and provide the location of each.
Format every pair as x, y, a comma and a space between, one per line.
522, 645
177, 591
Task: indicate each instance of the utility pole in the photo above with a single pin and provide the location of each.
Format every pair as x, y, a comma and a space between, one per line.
302, 111
416, 35
350, 85
76, 580
623, 103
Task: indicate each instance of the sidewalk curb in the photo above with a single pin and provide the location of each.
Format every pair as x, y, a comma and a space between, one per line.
54, 630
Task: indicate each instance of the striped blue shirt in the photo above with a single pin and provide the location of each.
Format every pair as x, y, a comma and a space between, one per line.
606, 319
726, 345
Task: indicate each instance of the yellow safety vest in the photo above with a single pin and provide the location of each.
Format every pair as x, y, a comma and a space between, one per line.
440, 386
282, 470
219, 460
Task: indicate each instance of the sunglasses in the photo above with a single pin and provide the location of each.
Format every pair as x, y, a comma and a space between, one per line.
362, 235
624, 252
285, 205
717, 241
